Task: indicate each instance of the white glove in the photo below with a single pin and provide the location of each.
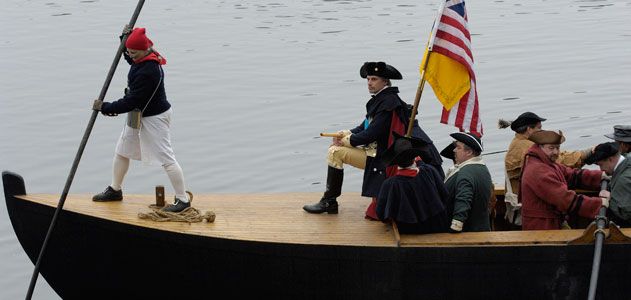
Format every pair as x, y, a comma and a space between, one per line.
344, 132
605, 201
346, 141
604, 176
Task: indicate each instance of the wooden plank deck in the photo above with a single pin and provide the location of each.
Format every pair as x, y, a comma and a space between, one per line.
279, 218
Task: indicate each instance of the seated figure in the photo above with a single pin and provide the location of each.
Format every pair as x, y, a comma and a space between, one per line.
414, 197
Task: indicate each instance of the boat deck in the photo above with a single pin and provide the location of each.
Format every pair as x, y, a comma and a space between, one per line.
279, 218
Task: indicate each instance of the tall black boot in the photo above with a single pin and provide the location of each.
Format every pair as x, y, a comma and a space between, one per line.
334, 180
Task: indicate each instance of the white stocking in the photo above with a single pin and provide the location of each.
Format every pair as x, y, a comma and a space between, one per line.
174, 171
119, 169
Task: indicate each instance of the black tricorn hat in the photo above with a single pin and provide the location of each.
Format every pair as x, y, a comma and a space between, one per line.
448, 152
470, 139
381, 69
526, 118
404, 149
602, 151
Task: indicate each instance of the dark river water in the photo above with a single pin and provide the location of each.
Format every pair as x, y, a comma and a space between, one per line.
253, 83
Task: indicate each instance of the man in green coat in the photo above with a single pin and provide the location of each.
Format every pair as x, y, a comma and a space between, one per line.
618, 166
469, 185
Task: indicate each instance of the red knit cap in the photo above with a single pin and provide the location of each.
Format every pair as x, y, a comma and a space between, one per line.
137, 40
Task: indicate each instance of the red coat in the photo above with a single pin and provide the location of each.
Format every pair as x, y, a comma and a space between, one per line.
546, 195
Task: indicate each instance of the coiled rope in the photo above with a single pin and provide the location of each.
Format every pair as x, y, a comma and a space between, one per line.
188, 215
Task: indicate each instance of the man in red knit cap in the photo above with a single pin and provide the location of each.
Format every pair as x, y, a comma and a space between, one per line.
149, 139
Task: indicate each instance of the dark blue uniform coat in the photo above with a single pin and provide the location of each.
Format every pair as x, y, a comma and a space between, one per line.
142, 80
386, 112
417, 204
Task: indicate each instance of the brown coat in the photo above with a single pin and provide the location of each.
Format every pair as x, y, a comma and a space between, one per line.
546, 192
515, 159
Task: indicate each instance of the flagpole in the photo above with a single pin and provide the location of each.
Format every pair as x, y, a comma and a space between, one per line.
421, 84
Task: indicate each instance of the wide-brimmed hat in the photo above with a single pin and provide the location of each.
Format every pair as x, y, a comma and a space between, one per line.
405, 149
602, 151
621, 133
526, 118
470, 139
380, 69
448, 152
542, 137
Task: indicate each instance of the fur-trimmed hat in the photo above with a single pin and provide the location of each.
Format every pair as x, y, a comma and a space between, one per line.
380, 69
542, 137
470, 139
526, 118
404, 149
621, 133
602, 151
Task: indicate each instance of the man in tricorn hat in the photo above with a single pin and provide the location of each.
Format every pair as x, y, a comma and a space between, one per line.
526, 124
469, 185
363, 146
546, 190
622, 135
618, 166
414, 198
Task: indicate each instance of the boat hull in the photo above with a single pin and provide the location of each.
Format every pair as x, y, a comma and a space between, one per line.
100, 258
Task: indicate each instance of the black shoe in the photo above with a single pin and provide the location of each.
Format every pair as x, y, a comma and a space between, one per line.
108, 195
178, 206
325, 205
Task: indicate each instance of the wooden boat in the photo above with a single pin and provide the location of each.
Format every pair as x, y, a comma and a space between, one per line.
266, 245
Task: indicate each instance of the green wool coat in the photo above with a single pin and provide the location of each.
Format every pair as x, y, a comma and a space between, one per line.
469, 192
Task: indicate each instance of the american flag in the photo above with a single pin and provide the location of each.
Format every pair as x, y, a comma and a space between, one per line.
453, 40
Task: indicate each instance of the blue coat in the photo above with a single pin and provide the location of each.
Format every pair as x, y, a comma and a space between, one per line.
142, 80
378, 127
417, 204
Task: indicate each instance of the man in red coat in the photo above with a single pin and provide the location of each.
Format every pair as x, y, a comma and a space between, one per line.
546, 191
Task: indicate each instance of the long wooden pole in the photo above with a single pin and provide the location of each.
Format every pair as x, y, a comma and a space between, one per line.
421, 84
82, 145
601, 223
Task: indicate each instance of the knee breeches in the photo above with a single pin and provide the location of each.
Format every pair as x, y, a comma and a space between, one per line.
340, 155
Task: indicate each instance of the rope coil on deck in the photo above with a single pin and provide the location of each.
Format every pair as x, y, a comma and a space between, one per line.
188, 215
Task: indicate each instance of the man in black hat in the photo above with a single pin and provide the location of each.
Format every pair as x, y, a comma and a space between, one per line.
524, 126
607, 157
362, 147
414, 198
622, 135
469, 186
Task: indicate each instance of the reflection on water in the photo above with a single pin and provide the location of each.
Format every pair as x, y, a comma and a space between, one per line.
252, 84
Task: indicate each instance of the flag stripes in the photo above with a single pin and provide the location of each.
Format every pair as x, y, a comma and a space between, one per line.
454, 41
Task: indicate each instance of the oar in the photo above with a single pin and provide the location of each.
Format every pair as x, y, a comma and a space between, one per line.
77, 158
601, 223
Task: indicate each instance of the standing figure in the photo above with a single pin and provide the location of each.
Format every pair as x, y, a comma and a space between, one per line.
151, 140
618, 166
415, 197
469, 186
546, 191
362, 147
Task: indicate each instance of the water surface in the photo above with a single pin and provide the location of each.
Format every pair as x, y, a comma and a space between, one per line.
253, 83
